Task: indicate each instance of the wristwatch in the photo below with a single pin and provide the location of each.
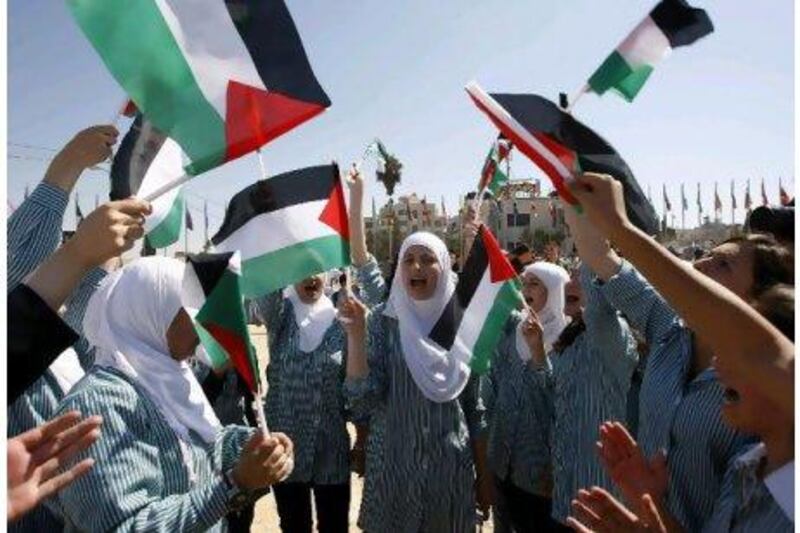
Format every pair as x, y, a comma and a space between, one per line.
237, 496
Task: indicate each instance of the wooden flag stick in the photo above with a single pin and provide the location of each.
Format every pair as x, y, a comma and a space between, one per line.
261, 392
577, 96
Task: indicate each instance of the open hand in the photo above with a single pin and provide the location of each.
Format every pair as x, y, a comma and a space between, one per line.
603, 201
36, 456
629, 469
596, 511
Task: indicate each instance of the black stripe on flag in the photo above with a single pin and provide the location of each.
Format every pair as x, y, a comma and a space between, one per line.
284, 190
269, 33
541, 116
445, 330
209, 268
136, 153
681, 23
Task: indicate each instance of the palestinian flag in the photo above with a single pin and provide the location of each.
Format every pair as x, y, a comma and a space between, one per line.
561, 146
764, 199
672, 23
748, 201
212, 296
220, 78
717, 200
488, 290
287, 228
146, 160
667, 203
492, 177
733, 196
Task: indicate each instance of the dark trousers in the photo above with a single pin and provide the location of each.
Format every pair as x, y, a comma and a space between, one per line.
518, 511
294, 507
241, 521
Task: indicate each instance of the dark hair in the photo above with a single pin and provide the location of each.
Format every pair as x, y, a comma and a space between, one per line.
520, 249
776, 304
778, 221
773, 263
342, 278
569, 334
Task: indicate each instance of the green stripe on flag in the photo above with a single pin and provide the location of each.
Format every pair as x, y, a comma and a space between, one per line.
616, 73
507, 300
216, 354
169, 229
139, 49
281, 268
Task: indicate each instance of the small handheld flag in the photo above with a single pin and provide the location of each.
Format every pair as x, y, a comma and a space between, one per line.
146, 160
488, 290
287, 228
492, 176
671, 23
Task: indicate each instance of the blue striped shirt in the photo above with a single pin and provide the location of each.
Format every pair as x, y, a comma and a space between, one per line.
139, 481
304, 398
745, 504
678, 413
591, 379
520, 411
425, 474
34, 232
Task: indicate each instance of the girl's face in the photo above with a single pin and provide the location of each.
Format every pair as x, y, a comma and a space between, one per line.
310, 289
573, 298
421, 271
731, 265
534, 291
182, 339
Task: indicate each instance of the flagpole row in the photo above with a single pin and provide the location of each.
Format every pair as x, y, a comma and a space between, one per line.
167, 187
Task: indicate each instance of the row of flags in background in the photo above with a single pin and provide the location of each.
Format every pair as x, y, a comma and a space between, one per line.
784, 198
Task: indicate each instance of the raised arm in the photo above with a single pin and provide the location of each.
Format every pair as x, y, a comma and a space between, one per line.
741, 338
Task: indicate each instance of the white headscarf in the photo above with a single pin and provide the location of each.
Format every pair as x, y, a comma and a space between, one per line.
313, 320
440, 375
127, 320
552, 315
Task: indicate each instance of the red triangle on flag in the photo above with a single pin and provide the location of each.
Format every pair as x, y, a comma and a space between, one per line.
335, 212
499, 268
254, 117
236, 349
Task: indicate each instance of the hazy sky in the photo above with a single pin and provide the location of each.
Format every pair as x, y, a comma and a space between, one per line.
719, 110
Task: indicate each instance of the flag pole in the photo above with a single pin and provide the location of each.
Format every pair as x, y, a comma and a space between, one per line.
167, 187
577, 96
260, 393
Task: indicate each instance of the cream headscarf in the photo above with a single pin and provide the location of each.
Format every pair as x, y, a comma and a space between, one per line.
440, 375
127, 320
313, 320
552, 315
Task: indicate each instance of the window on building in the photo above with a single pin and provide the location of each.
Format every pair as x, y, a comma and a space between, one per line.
515, 220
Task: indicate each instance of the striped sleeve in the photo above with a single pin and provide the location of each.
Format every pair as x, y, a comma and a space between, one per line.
641, 304
606, 330
76, 309
474, 410
372, 283
34, 231
230, 444
123, 490
364, 395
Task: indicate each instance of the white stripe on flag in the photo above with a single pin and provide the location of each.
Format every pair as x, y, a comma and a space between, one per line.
497, 110
475, 315
273, 231
645, 45
212, 47
164, 168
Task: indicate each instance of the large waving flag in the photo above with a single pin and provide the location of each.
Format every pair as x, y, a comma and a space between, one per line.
287, 228
672, 23
146, 160
561, 146
220, 78
487, 292
212, 296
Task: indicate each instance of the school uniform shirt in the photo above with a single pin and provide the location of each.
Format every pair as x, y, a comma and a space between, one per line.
34, 232
426, 476
519, 412
590, 382
139, 481
780, 484
304, 397
745, 503
678, 413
